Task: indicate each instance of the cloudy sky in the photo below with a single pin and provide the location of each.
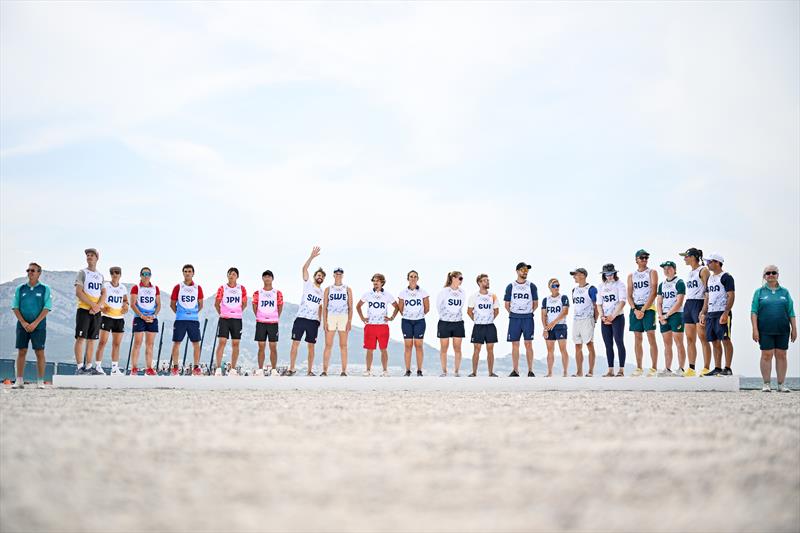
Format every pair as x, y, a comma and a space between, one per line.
433, 136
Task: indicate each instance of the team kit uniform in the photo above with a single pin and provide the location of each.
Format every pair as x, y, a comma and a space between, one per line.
338, 308
483, 305
554, 306
584, 300
521, 297
231, 300
87, 325
413, 321
146, 304
112, 319
307, 322
641, 293
718, 287
187, 308
30, 301
267, 316
376, 330
450, 304
669, 291
695, 294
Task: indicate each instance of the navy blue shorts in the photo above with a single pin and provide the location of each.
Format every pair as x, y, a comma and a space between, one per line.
182, 327
448, 330
140, 325
691, 311
716, 331
307, 327
768, 342
413, 329
484, 334
520, 327
36, 337
558, 332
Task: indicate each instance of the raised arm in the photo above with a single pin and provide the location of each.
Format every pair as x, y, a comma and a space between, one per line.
314, 253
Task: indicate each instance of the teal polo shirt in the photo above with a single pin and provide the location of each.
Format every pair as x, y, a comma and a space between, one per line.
773, 308
31, 300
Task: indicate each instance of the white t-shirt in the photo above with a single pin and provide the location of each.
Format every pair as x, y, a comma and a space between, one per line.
483, 306
413, 305
610, 294
309, 304
450, 304
378, 305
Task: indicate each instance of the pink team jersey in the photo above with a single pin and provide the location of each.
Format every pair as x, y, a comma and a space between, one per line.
231, 300
267, 303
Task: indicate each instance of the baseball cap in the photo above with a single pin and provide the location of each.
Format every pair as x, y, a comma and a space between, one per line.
715, 257
641, 252
338, 269
608, 268
668, 264
581, 270
92, 251
523, 264
694, 252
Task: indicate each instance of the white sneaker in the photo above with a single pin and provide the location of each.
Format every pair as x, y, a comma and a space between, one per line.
259, 372
275, 373
218, 372
666, 373
233, 372
367, 373
766, 388
443, 375
117, 372
456, 374
385, 374
100, 370
638, 372
40, 385
18, 385
783, 388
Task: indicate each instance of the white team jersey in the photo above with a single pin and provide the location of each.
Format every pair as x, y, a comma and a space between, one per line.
309, 304
450, 304
115, 298
641, 286
695, 289
717, 295
337, 300
612, 293
483, 306
582, 304
413, 305
669, 294
378, 305
554, 306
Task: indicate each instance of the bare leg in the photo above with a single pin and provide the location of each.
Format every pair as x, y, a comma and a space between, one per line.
21, 354
637, 348
221, 342
420, 353
138, 337
728, 346
691, 342
490, 358
476, 353
116, 342
89, 352
310, 357
41, 363
273, 354
407, 345
579, 359
385, 359
457, 350
562, 346
369, 360
766, 365
590, 345
529, 354
262, 354
444, 344
101, 346
176, 346
196, 354
550, 357
79, 347
326, 353
343, 349
668, 349
293, 354
705, 345
150, 340
780, 365
515, 356
717, 347
651, 340
678, 340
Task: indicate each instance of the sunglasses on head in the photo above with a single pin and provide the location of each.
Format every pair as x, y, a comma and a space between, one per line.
767, 273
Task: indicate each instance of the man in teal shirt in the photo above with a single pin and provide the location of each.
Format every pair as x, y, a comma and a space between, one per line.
773, 321
32, 302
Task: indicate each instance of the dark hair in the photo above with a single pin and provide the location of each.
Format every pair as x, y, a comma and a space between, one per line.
187, 265
319, 271
480, 277
145, 268
450, 276
268, 273
410, 272
37, 265
603, 277
380, 277
234, 269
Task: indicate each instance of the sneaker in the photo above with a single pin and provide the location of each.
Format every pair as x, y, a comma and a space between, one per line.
290, 373
95, 372
367, 373
783, 388
233, 372
456, 374
197, 371
492, 375
715, 372
150, 372
134, 372
79, 371
18, 385
531, 374
40, 385
274, 372
513, 374
117, 372
443, 375
638, 372
726, 372
325, 374
99, 370
704, 372
689, 373
343, 374
218, 372
419, 373
651, 373
310, 373
766, 388
385, 374
407, 374
174, 371
259, 372
666, 373
472, 375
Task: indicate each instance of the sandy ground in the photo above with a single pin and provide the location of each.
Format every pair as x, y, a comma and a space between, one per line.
166, 460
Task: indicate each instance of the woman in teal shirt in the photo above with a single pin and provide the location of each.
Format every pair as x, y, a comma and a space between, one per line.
772, 316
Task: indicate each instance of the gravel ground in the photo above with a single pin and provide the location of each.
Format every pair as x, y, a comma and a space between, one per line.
168, 460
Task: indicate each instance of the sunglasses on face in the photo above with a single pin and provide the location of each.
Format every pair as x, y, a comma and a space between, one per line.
460, 278
145, 274
31, 270
644, 257
769, 273
115, 272
555, 286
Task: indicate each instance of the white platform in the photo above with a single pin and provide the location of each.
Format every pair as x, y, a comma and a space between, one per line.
399, 383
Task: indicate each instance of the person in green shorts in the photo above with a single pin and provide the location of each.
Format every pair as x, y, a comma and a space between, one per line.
642, 284
669, 304
773, 319
31, 303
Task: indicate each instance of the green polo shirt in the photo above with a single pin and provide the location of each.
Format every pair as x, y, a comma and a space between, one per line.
31, 300
773, 308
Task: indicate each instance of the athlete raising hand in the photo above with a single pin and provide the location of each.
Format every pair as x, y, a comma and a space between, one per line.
309, 314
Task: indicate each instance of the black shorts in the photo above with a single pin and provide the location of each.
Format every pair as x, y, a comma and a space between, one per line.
446, 330
266, 331
35, 338
186, 327
768, 342
87, 326
307, 327
484, 334
113, 325
230, 328
691, 311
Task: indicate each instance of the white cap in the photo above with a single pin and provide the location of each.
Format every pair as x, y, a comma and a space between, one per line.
714, 257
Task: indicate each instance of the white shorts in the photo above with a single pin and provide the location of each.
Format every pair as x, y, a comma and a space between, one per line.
337, 322
583, 330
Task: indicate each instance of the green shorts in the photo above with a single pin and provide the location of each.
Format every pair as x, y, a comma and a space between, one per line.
647, 323
674, 323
